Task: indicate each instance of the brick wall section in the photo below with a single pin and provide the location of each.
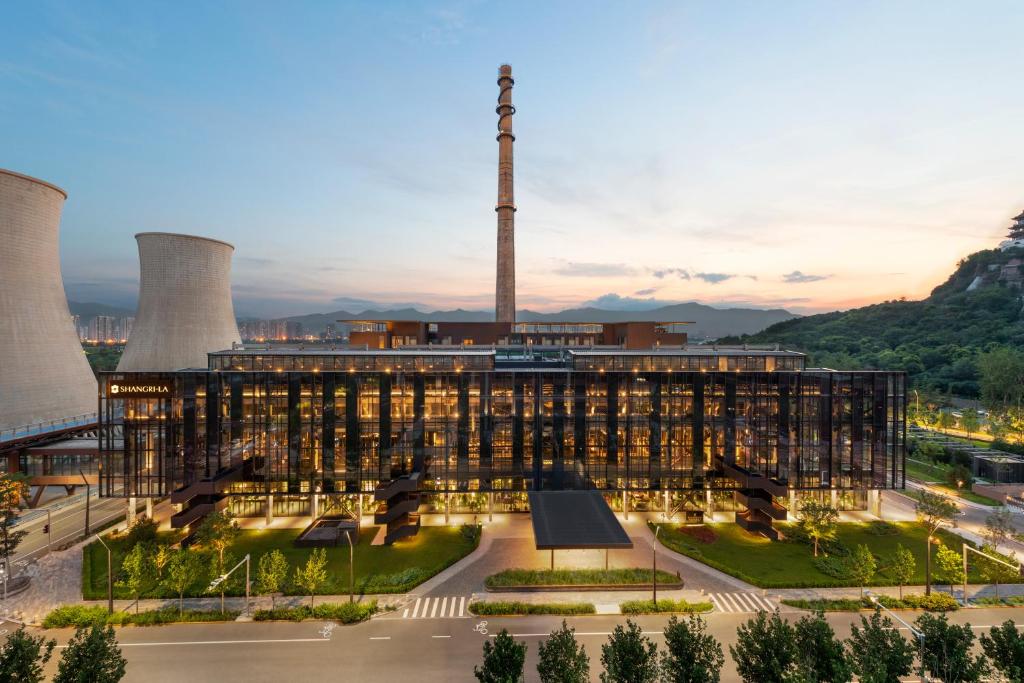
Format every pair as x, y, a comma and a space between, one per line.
185, 308
44, 374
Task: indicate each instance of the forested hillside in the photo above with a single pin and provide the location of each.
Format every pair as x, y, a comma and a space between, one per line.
937, 340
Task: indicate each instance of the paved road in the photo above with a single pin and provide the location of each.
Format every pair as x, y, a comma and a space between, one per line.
68, 524
442, 650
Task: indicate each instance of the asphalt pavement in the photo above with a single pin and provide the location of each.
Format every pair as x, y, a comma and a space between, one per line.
442, 650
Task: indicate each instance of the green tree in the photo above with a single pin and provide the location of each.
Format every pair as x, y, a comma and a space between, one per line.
999, 527
13, 488
23, 656
313, 574
217, 532
960, 477
946, 420
271, 573
91, 656
562, 659
818, 521
1002, 376
947, 650
161, 558
933, 510
765, 649
995, 572
692, 655
970, 421
820, 655
951, 565
902, 567
184, 568
629, 656
503, 660
878, 653
862, 566
137, 571
1004, 647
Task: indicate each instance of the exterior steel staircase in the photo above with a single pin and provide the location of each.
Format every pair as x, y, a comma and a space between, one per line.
757, 493
202, 497
401, 500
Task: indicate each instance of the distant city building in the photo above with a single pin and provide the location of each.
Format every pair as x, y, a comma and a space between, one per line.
331, 331
103, 328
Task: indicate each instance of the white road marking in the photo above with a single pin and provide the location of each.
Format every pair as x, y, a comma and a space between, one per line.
221, 642
740, 602
462, 606
446, 607
433, 612
416, 608
440, 636
380, 637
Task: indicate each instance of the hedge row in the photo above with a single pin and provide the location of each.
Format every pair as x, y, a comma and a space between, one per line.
577, 577
662, 606
936, 602
513, 607
345, 612
81, 615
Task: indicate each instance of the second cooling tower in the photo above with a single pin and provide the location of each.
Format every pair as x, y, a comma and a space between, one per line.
185, 308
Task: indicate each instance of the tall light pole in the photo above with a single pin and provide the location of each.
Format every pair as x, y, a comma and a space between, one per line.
223, 577
351, 566
654, 565
110, 576
88, 491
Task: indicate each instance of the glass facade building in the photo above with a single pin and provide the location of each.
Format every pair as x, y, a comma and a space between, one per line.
695, 424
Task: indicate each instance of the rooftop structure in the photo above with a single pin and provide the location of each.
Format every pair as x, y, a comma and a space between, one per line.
45, 380
185, 308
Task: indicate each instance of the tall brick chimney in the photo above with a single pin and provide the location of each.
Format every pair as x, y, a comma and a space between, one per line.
505, 293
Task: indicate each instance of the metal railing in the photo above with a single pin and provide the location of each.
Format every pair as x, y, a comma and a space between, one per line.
37, 428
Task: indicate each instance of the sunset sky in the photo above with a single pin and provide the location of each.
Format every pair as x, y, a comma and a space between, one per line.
811, 156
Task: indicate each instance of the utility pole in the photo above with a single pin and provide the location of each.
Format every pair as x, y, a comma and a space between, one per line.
351, 567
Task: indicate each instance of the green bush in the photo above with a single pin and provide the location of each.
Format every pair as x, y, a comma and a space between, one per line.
81, 615
577, 577
512, 607
398, 582
834, 605
663, 606
936, 602
880, 528
345, 612
1011, 600
836, 567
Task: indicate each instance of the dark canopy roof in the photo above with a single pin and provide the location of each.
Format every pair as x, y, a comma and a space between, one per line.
568, 520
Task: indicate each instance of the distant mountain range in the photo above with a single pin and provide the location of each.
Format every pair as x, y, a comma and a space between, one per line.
708, 322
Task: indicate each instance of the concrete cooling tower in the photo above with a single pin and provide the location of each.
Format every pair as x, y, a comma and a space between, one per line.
44, 374
185, 308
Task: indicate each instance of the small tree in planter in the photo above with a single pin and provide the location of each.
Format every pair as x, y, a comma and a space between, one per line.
562, 659
503, 660
271, 573
862, 566
23, 656
217, 532
313, 574
184, 569
903, 567
137, 571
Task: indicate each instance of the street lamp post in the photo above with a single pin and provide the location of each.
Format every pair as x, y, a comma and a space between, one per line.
223, 577
351, 567
916, 633
110, 576
88, 492
654, 566
1017, 568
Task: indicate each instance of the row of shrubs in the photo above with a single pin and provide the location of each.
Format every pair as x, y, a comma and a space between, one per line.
936, 602
1011, 600
501, 608
663, 606
510, 578
345, 612
82, 615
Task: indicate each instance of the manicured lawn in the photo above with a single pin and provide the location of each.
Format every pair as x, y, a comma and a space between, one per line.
379, 569
769, 564
935, 474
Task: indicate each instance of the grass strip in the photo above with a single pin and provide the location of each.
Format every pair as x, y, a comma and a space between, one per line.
936, 602
81, 615
345, 613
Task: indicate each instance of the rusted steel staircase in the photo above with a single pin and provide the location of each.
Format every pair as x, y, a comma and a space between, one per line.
401, 498
757, 493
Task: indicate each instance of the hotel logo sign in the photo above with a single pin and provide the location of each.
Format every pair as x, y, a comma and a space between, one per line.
139, 390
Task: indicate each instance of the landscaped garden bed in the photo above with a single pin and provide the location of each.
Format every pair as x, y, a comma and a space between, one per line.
936, 602
579, 579
345, 612
505, 608
378, 569
664, 606
791, 563
83, 615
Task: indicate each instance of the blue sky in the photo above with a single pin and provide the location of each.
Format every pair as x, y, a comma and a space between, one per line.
811, 156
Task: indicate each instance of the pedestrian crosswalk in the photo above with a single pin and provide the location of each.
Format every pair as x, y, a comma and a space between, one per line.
436, 608
740, 602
